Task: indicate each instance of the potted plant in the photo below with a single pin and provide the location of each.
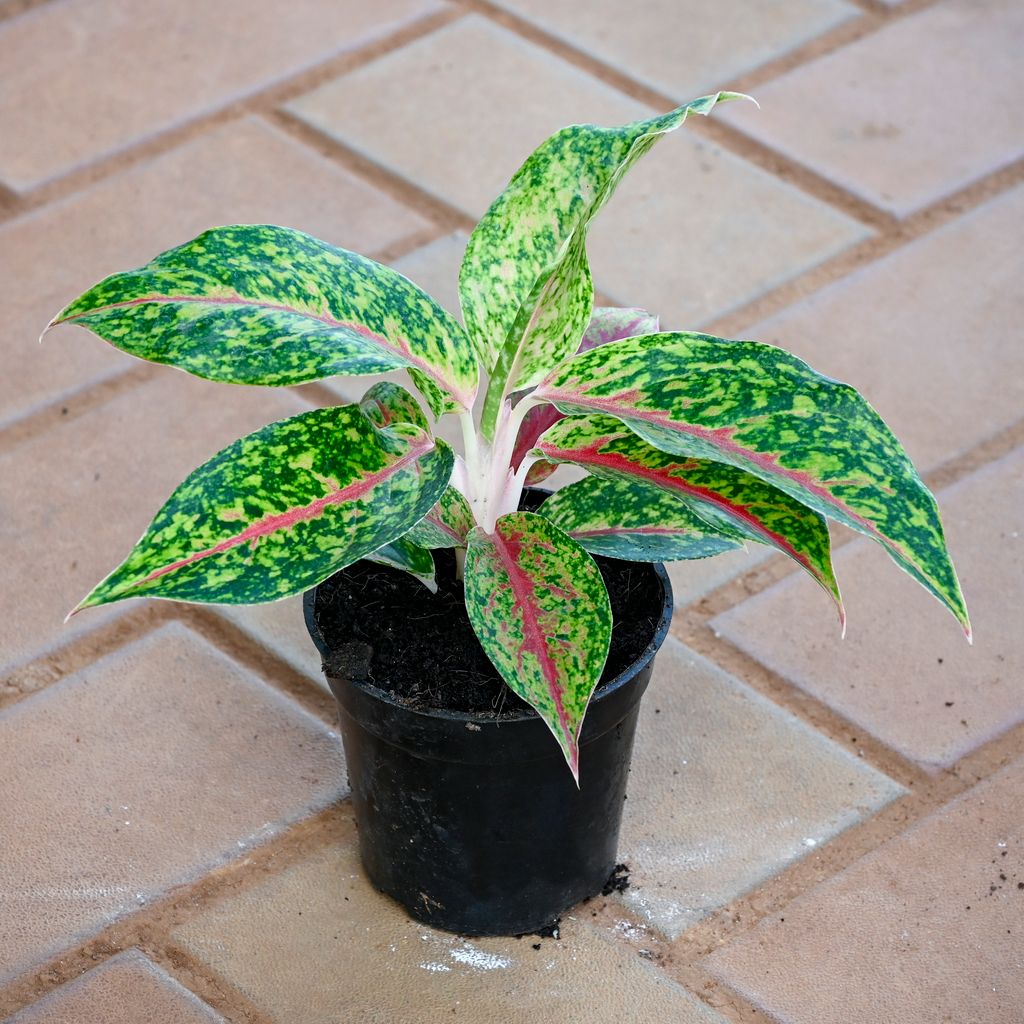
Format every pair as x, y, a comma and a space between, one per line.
484, 820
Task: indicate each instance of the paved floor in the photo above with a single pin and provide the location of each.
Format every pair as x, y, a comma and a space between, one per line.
818, 830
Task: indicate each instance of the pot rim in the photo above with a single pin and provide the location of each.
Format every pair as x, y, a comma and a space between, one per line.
605, 692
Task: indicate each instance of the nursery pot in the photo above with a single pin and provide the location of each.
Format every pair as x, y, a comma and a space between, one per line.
474, 823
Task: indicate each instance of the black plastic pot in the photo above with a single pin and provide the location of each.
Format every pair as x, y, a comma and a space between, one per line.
474, 824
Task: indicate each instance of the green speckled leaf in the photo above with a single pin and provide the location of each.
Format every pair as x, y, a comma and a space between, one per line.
259, 304
524, 285
538, 604
409, 557
633, 521
278, 511
386, 403
447, 524
763, 410
726, 498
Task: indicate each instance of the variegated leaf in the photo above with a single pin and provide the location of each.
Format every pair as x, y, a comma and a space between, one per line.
259, 304
763, 410
409, 557
725, 497
447, 524
523, 311
278, 511
634, 521
387, 403
538, 603
606, 324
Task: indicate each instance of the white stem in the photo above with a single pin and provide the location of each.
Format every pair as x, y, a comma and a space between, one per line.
460, 563
460, 477
502, 495
487, 479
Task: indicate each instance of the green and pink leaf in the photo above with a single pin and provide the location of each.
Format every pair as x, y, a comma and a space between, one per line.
539, 606
260, 304
280, 510
762, 410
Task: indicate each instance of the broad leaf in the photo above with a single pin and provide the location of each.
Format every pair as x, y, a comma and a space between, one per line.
278, 511
538, 604
409, 557
606, 324
447, 524
765, 411
634, 521
259, 304
523, 284
725, 497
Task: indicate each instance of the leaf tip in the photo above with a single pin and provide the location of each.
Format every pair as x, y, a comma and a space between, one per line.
53, 323
725, 97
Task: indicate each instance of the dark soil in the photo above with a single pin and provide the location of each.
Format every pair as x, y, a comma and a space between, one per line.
618, 880
387, 629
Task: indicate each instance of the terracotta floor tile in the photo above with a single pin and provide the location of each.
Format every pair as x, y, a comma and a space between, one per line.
76, 498
895, 116
929, 335
685, 48
125, 988
245, 172
108, 800
86, 78
726, 790
904, 672
927, 928
654, 243
354, 955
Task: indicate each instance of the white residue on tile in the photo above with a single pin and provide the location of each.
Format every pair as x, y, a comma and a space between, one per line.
469, 955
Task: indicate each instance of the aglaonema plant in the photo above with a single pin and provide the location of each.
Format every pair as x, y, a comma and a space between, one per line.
693, 444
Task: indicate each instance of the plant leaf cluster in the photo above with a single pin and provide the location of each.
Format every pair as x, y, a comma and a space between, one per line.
693, 444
